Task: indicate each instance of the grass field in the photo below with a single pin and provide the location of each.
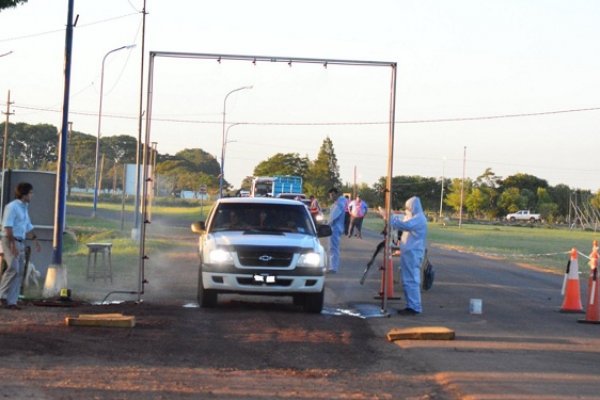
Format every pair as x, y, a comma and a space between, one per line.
178, 213
538, 245
125, 251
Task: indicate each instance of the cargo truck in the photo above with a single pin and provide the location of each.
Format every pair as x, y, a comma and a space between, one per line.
272, 186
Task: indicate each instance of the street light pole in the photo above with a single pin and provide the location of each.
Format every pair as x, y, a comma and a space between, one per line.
225, 145
442, 191
96, 172
224, 138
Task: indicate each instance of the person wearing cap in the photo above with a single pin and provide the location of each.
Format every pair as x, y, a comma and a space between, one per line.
413, 243
336, 221
16, 228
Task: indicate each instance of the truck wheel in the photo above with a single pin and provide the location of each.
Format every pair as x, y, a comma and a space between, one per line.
313, 302
298, 299
512, 219
207, 298
532, 220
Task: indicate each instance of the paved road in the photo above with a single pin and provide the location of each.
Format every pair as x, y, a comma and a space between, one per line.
520, 347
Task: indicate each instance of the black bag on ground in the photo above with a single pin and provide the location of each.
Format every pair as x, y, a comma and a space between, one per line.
428, 273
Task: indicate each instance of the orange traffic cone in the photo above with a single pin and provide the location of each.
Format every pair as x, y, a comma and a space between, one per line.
570, 289
387, 282
592, 315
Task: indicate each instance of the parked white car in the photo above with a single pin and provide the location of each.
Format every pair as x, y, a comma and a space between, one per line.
261, 245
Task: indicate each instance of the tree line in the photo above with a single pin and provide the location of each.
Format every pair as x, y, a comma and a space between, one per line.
488, 196
34, 147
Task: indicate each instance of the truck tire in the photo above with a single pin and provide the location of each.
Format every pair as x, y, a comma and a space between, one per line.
512, 219
313, 302
298, 299
532, 220
207, 298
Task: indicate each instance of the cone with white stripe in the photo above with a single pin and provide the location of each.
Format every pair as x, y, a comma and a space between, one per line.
570, 289
592, 314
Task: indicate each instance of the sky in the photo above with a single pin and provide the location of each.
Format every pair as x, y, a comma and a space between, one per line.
511, 85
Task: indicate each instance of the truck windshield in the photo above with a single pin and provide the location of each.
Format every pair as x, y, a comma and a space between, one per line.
263, 188
262, 218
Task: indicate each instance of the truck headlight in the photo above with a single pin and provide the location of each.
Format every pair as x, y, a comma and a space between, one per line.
309, 260
219, 256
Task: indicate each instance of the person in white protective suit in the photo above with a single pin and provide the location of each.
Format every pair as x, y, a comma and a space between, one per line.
336, 221
413, 243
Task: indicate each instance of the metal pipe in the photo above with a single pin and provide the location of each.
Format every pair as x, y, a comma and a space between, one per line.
387, 250
136, 207
325, 62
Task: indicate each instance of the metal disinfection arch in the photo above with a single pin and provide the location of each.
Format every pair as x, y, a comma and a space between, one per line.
268, 59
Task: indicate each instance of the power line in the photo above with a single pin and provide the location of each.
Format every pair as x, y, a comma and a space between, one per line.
354, 123
32, 35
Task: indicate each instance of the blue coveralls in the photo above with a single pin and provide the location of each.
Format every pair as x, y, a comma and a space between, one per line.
336, 221
412, 250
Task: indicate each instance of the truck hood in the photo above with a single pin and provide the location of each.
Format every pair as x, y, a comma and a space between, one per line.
262, 239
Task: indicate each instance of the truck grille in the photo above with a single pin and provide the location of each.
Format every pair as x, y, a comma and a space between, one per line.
265, 257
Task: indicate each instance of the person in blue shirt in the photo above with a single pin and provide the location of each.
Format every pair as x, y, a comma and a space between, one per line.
413, 243
16, 228
336, 221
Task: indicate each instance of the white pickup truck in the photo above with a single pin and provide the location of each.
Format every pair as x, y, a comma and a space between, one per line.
523, 215
262, 246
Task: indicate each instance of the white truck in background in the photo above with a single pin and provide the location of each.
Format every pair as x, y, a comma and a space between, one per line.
524, 215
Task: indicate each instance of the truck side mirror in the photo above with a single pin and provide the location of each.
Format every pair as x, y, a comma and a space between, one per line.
198, 227
323, 230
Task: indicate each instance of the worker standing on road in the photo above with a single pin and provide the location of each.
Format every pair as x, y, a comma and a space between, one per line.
412, 250
358, 208
336, 220
16, 225
314, 208
346, 215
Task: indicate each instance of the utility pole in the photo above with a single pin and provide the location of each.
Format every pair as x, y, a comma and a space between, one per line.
4, 147
8, 113
61, 170
354, 191
462, 187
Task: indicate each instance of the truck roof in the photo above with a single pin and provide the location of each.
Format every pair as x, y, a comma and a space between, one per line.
257, 200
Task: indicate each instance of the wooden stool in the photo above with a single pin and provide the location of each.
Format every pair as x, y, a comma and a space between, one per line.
106, 250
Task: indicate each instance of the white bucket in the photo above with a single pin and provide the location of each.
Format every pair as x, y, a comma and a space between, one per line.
475, 306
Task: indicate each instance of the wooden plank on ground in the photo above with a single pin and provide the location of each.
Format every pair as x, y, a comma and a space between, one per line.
421, 333
101, 316
113, 320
